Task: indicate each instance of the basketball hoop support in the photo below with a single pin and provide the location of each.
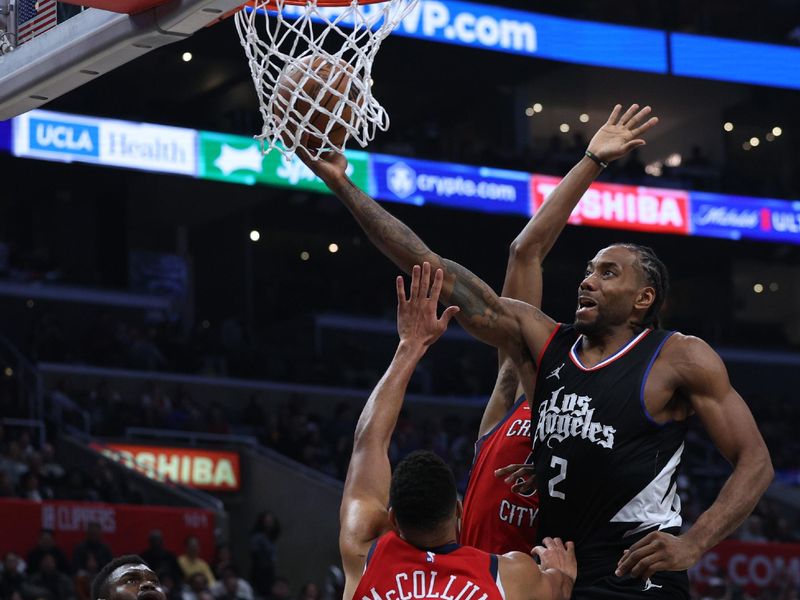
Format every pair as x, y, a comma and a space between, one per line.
93, 43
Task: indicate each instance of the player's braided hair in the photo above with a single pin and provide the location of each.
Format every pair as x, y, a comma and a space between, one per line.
656, 274
423, 492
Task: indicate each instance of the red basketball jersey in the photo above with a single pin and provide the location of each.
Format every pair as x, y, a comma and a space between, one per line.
396, 570
495, 518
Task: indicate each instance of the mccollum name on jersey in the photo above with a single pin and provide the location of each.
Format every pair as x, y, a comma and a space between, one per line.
429, 584
569, 415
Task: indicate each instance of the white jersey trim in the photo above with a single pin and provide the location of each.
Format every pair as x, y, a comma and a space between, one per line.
573, 354
499, 583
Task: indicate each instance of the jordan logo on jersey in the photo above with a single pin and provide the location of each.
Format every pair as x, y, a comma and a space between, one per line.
570, 415
556, 372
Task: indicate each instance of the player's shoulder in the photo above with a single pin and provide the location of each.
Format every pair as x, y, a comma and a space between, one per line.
680, 346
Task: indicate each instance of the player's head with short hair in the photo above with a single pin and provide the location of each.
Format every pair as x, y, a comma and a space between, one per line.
423, 493
127, 578
625, 284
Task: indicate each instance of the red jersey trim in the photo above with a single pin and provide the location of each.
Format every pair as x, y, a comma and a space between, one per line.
617, 355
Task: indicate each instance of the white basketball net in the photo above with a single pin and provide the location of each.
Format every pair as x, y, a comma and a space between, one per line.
348, 38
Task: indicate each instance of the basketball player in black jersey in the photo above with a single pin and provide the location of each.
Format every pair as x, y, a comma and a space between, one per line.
613, 395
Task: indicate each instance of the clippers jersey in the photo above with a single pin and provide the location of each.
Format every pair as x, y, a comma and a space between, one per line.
606, 472
495, 519
396, 570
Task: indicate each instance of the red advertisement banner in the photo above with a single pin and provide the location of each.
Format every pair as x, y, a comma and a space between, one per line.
213, 470
752, 566
125, 527
618, 206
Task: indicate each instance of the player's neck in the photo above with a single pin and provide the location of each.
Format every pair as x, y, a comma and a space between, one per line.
433, 539
597, 347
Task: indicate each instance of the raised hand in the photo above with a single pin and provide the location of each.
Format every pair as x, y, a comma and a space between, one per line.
621, 134
329, 167
417, 322
554, 554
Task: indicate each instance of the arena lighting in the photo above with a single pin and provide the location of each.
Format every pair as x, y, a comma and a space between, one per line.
8, 372
746, 146
674, 160
728, 126
29, 303
754, 141
564, 128
529, 111
776, 131
333, 248
773, 287
304, 255
584, 118
758, 288
255, 235
537, 107
769, 137
205, 324
186, 57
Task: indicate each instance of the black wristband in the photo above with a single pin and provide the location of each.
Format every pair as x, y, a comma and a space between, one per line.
597, 159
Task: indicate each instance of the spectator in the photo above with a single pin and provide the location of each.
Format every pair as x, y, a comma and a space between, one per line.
46, 544
160, 559
196, 586
6, 487
92, 544
29, 487
223, 559
191, 563
50, 583
310, 591
279, 589
84, 578
171, 586
232, 587
263, 551
13, 576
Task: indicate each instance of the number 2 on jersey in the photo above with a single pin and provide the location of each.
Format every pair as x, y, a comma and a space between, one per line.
559, 462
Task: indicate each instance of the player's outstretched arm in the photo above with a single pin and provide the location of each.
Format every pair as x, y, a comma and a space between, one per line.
553, 579
514, 326
619, 135
363, 515
701, 375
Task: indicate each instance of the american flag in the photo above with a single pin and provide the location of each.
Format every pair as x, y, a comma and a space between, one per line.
34, 17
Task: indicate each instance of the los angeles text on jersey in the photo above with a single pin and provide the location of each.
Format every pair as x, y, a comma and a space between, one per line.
424, 584
569, 415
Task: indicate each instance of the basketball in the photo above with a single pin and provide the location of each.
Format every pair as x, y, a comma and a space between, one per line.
327, 89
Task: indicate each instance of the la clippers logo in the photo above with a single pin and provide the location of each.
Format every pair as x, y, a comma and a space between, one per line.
569, 415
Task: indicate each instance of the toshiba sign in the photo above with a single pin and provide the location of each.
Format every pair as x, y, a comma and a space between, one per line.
204, 469
622, 206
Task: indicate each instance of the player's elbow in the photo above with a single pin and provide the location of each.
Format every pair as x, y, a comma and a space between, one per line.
526, 251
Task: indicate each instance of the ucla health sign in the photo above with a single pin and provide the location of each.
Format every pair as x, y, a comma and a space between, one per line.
68, 138
420, 182
738, 217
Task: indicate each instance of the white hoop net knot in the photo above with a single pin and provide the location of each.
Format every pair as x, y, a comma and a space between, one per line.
312, 69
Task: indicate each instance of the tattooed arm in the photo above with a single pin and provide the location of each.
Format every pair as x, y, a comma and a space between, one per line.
515, 327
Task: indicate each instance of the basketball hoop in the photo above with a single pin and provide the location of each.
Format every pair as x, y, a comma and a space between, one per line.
287, 42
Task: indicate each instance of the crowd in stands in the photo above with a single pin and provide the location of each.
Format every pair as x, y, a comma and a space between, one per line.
46, 572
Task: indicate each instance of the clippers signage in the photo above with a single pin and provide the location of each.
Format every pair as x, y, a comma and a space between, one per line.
489, 27
54, 136
419, 182
204, 469
752, 566
125, 528
734, 217
617, 206
238, 159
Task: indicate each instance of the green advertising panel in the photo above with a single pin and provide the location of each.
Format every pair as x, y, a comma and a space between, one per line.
238, 159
